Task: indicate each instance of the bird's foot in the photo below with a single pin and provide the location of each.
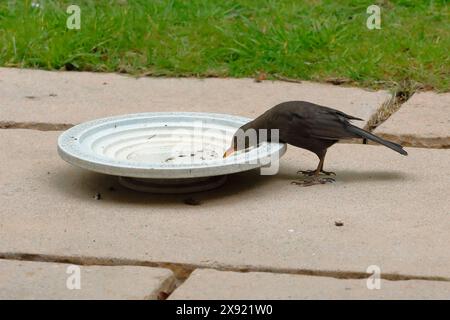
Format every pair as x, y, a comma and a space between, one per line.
313, 181
313, 172
306, 172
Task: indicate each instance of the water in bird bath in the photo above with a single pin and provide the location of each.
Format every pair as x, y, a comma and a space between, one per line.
162, 148
168, 154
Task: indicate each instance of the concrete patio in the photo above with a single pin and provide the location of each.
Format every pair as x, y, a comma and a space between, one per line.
256, 237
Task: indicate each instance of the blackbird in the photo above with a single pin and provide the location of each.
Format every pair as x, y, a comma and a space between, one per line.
309, 126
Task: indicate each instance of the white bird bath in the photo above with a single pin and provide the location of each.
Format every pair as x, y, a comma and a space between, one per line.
167, 152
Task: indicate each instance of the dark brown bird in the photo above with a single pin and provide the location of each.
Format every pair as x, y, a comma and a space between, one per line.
309, 126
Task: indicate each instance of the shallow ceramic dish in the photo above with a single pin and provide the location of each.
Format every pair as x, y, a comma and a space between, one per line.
165, 152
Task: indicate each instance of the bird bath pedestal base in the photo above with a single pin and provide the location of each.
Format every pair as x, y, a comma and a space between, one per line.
186, 185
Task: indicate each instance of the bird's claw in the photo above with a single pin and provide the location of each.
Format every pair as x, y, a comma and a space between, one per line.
312, 172
313, 181
306, 172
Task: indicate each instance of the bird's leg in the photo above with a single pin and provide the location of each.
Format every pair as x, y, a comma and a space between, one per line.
314, 174
319, 167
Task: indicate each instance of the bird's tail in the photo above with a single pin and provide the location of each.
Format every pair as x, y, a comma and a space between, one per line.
365, 134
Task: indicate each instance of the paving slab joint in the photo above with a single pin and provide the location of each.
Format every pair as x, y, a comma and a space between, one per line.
166, 288
40, 126
183, 270
400, 95
180, 271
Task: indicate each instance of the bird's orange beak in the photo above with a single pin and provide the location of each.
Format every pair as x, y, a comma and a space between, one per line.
229, 152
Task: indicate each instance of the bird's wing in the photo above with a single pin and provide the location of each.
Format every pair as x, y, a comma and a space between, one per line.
337, 112
322, 124
299, 119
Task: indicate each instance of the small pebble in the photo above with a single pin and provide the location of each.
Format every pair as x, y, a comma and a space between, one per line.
338, 223
192, 202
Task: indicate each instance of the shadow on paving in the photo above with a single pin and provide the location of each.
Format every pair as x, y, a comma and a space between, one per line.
85, 185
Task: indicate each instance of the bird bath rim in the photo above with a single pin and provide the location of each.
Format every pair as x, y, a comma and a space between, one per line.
125, 145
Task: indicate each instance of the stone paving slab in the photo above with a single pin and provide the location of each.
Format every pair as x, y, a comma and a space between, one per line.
422, 121
395, 212
226, 285
43, 280
43, 97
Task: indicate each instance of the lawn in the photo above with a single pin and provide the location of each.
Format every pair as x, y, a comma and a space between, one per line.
292, 39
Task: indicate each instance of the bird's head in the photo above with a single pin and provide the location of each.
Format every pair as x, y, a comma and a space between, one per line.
233, 147
245, 137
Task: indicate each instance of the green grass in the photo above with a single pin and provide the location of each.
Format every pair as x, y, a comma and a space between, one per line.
314, 40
